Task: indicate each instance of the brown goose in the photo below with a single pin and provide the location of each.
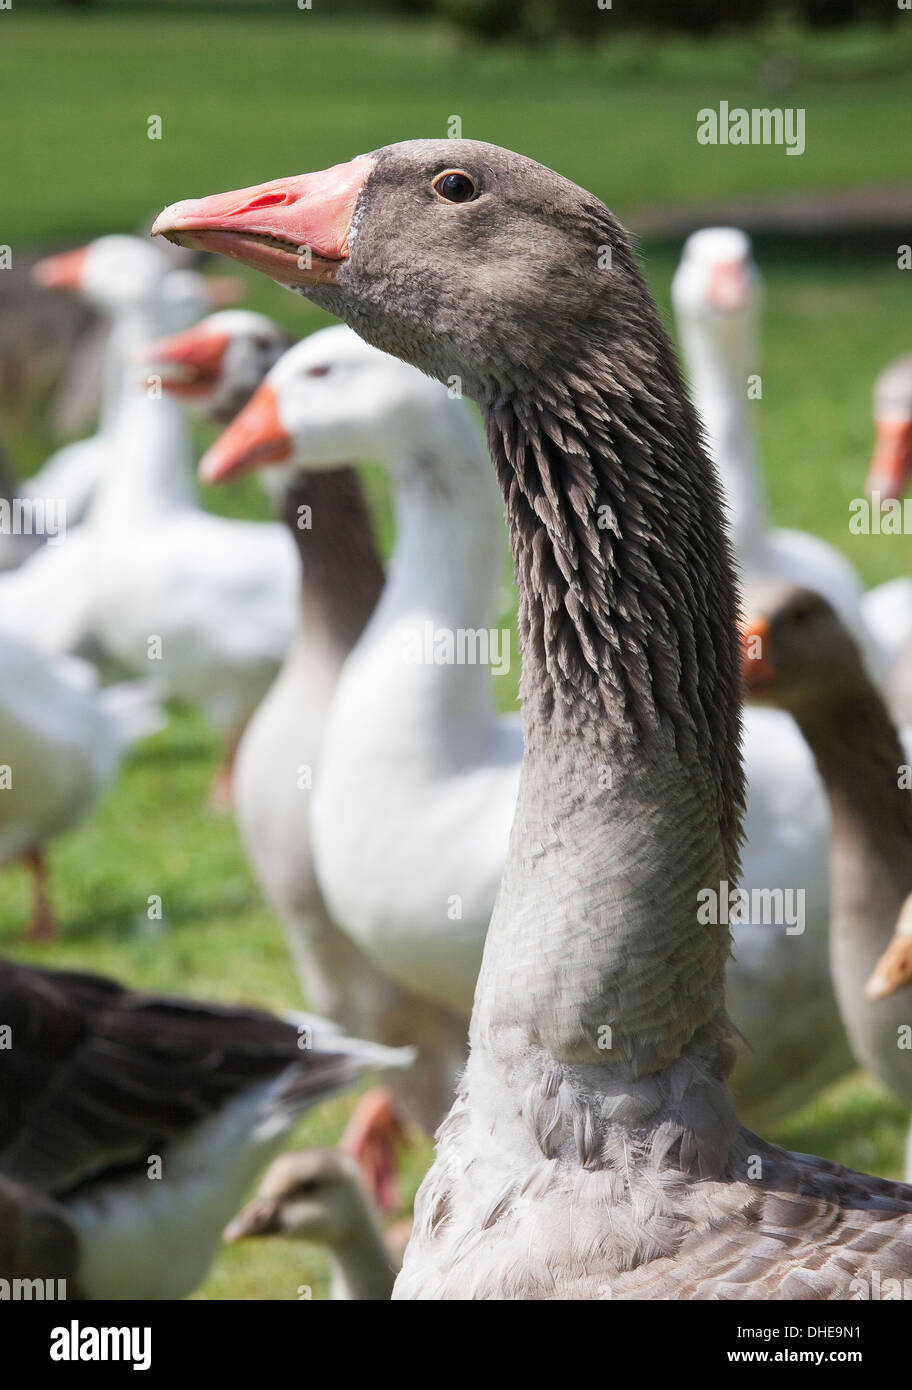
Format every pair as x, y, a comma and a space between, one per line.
132, 1125
799, 656
593, 1150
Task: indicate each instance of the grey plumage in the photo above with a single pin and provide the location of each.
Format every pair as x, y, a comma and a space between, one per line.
599, 987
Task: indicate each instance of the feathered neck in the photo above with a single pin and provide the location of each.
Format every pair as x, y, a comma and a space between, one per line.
632, 788
871, 809
341, 573
628, 604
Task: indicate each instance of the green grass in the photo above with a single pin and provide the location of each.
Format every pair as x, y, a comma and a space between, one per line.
246, 98
243, 99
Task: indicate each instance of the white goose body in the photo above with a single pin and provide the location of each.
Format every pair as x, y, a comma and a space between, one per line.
49, 600
63, 741
413, 808
206, 604
417, 778
113, 274
216, 366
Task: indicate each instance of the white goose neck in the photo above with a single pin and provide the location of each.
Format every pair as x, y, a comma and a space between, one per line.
719, 372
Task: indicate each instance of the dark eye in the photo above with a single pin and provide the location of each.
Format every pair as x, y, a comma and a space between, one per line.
454, 186
306, 1186
318, 371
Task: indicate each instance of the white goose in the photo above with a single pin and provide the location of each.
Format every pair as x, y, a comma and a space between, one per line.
61, 743
403, 816
16, 543
214, 366
206, 604
716, 294
141, 1122
138, 290
888, 607
47, 601
418, 772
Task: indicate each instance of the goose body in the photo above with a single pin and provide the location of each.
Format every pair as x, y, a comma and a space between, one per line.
117, 276
888, 607
593, 1150
207, 603
49, 600
812, 668
417, 772
14, 546
416, 785
279, 757
196, 1100
61, 743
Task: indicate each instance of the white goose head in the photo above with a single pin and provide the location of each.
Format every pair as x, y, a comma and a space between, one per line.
122, 275
891, 464
332, 399
216, 365
716, 281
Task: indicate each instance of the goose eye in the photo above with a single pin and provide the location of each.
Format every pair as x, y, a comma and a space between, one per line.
318, 371
455, 187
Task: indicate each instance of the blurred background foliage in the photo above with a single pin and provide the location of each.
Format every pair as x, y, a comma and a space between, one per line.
541, 21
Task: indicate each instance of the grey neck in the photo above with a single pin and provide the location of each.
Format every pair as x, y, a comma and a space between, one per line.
871, 810
341, 574
632, 789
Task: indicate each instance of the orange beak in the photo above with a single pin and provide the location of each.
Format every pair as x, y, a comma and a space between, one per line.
63, 272
189, 364
295, 230
729, 285
891, 462
757, 669
894, 969
255, 438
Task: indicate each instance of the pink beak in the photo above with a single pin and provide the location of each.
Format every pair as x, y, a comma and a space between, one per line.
729, 286
296, 230
190, 363
63, 272
254, 438
891, 462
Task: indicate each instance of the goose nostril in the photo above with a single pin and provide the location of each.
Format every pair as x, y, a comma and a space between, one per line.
266, 200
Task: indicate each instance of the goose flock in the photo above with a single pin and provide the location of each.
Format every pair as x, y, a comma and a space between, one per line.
521, 925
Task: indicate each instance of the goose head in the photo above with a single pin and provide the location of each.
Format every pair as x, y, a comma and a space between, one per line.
891, 464
330, 399
216, 365
716, 288
478, 265
796, 652
119, 275
309, 1194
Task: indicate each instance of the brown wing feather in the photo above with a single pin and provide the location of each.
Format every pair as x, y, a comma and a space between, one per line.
100, 1076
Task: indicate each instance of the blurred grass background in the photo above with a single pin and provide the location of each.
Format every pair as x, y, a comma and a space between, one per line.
246, 97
